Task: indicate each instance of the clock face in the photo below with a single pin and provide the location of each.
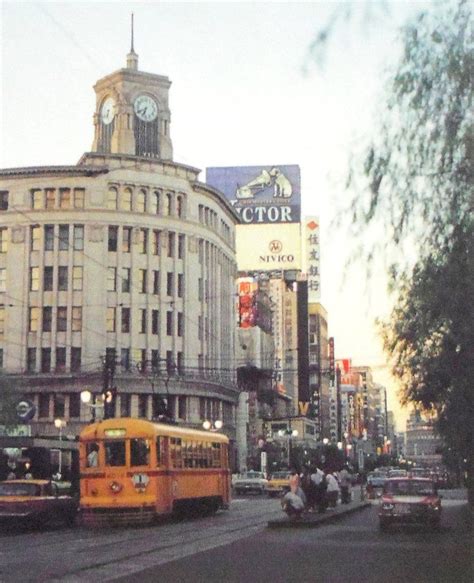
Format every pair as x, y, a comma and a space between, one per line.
145, 108
107, 111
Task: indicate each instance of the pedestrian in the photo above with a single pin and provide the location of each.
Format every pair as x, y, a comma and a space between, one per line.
319, 480
309, 488
93, 456
345, 483
295, 485
332, 490
11, 476
292, 505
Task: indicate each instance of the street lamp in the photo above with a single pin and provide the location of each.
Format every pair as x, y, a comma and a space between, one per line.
97, 408
289, 432
60, 424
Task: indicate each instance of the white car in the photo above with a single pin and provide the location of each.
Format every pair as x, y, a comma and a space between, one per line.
250, 481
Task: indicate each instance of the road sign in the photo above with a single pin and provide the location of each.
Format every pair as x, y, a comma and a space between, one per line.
25, 410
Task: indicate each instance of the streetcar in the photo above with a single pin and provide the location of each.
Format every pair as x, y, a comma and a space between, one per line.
135, 471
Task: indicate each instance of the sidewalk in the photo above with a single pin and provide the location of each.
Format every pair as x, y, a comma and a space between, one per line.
313, 520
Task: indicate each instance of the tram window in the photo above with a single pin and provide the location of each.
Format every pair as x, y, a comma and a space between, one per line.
176, 457
160, 451
139, 452
92, 453
216, 455
115, 453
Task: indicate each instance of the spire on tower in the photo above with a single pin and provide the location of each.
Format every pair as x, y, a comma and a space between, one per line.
132, 57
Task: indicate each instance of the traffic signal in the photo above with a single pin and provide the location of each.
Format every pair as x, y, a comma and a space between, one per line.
108, 398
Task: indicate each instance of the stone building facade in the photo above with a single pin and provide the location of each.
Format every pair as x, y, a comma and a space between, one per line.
119, 272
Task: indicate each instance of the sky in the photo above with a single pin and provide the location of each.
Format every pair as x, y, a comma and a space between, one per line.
245, 91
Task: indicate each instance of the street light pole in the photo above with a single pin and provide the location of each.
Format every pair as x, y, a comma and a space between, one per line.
59, 424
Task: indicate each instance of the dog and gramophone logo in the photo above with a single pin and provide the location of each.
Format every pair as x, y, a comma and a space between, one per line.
260, 194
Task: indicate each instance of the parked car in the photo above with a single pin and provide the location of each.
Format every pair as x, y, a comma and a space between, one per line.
250, 482
410, 501
397, 473
36, 503
278, 483
375, 484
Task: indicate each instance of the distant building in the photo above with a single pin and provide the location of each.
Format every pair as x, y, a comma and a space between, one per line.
422, 445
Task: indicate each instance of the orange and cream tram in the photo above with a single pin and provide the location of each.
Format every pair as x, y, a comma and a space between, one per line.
134, 471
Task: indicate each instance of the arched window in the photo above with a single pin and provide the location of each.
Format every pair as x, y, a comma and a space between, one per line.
155, 202
180, 204
126, 199
141, 201
112, 198
168, 204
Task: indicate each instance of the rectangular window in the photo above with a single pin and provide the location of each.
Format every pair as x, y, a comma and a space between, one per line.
76, 354
43, 406
126, 239
126, 280
156, 282
112, 239
111, 320
169, 362
114, 453
33, 318
155, 321
171, 244
77, 278
74, 405
4, 240
2, 321
169, 284
3, 279
34, 278
142, 274
47, 318
199, 327
143, 241
61, 321
48, 278
48, 237
125, 358
46, 360
37, 198
59, 403
63, 237
139, 452
143, 360
200, 288
180, 324
142, 320
112, 279
76, 319
155, 243
180, 285
124, 405
143, 406
31, 360
62, 278
60, 359
180, 362
181, 241
35, 234
78, 237
182, 407
50, 198
79, 197
64, 198
169, 323
126, 320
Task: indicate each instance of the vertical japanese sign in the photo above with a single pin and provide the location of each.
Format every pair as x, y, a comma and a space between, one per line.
332, 368
312, 258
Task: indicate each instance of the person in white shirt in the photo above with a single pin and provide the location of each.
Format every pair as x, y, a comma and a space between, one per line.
333, 490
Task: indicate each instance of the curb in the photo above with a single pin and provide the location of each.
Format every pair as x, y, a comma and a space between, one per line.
315, 522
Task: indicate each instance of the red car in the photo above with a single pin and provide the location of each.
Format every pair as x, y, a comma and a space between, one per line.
35, 503
409, 500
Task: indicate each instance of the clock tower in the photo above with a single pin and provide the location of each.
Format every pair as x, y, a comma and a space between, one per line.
132, 115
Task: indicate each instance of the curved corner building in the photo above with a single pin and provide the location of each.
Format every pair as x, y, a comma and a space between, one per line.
119, 272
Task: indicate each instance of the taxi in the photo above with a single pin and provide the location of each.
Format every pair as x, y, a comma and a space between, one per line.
409, 500
35, 503
278, 483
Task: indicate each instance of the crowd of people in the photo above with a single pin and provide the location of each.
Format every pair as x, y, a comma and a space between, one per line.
314, 490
